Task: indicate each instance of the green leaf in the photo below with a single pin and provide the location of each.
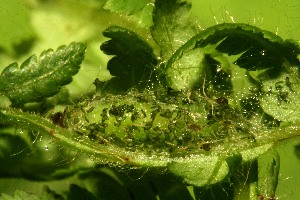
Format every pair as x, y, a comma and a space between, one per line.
223, 191
269, 165
16, 33
169, 188
141, 187
128, 7
77, 193
204, 170
280, 95
228, 44
133, 63
103, 186
19, 195
297, 150
172, 25
37, 79
257, 49
47, 194
200, 172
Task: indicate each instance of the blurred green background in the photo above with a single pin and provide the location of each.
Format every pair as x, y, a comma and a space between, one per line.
30, 26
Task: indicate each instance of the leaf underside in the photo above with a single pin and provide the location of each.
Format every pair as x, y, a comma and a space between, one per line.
133, 63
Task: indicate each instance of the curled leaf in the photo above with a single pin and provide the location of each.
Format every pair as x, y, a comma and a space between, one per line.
221, 46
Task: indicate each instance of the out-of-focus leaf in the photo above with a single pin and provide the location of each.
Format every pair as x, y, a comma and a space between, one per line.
169, 188
142, 188
22, 156
16, 32
47, 194
217, 192
128, 7
18, 195
78, 193
133, 63
297, 151
37, 79
104, 186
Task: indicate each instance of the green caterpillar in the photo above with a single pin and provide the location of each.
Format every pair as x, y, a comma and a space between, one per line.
152, 122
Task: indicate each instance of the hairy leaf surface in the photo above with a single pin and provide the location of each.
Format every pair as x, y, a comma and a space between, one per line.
37, 79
